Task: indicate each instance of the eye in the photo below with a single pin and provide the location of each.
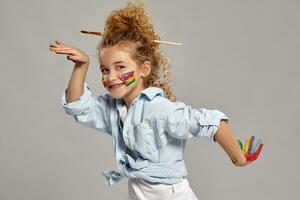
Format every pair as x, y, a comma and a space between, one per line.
104, 71
120, 66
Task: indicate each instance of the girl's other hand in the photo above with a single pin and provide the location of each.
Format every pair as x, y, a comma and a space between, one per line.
73, 54
250, 150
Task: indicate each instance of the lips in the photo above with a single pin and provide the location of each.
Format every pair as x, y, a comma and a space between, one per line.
115, 86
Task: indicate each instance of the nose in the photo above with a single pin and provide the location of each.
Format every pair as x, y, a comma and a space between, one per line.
112, 76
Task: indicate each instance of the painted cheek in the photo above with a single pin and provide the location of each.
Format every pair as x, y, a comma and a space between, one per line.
104, 82
128, 78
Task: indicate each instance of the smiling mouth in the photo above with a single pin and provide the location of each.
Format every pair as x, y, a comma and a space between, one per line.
116, 86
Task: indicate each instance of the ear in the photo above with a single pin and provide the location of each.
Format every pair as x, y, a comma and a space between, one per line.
145, 69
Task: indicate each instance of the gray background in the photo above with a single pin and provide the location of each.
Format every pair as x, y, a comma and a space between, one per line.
241, 57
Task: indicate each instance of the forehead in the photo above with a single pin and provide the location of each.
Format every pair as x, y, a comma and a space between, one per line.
110, 55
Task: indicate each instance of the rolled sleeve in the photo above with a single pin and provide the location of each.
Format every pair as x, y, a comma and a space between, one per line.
78, 106
209, 122
89, 110
185, 122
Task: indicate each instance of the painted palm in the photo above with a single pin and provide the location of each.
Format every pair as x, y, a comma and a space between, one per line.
251, 149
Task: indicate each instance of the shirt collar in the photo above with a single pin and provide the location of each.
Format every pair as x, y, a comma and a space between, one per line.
151, 92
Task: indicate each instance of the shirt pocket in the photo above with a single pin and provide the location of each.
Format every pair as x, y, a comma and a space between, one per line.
149, 139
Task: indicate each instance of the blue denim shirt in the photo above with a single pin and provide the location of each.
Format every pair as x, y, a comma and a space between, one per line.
150, 143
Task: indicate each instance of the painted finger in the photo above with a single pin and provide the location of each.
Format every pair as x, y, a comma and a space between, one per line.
256, 146
252, 157
67, 51
59, 48
61, 43
259, 149
241, 144
63, 52
62, 48
246, 146
251, 144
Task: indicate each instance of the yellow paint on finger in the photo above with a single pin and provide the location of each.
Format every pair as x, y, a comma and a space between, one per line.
246, 146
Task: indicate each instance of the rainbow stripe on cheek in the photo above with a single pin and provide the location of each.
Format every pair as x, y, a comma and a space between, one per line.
128, 78
104, 82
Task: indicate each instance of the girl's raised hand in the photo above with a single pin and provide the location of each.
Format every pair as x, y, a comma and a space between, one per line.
251, 150
73, 54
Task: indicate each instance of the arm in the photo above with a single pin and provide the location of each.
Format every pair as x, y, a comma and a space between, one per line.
81, 60
76, 82
228, 142
78, 100
183, 122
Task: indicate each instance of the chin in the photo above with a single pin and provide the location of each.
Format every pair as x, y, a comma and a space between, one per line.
116, 96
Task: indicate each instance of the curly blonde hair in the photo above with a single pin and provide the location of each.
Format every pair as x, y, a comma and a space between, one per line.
132, 26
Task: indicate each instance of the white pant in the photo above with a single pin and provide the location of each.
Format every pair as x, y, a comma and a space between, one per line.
139, 189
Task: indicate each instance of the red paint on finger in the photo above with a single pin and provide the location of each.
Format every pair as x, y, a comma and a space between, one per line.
259, 149
254, 156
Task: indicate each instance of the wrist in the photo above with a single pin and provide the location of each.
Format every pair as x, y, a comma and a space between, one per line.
241, 161
83, 66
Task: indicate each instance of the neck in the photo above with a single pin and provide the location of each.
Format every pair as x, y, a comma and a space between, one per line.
129, 98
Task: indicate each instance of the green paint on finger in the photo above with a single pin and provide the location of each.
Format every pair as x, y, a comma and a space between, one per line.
241, 144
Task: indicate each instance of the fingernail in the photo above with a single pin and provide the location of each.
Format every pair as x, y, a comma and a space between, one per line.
52, 45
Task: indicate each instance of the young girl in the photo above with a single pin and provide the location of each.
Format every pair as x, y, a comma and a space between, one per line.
149, 128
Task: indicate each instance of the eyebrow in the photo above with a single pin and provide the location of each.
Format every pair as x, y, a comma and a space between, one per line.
117, 62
